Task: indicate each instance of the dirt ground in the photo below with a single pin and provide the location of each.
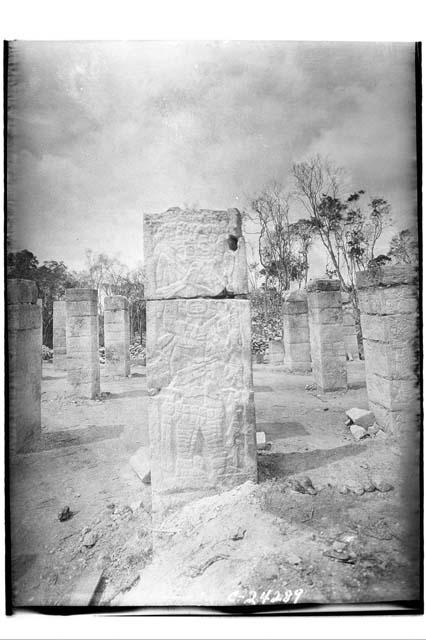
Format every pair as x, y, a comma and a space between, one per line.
265, 544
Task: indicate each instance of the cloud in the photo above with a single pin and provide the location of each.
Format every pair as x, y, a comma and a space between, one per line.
101, 132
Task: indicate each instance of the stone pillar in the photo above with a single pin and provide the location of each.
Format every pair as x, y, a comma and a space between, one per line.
276, 352
389, 320
327, 335
297, 348
199, 374
40, 304
351, 341
24, 349
82, 341
116, 335
60, 335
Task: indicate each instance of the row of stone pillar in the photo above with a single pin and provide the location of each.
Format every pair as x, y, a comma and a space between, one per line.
76, 338
315, 334
76, 349
295, 349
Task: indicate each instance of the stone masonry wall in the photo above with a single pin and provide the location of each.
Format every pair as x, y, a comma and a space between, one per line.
275, 352
60, 335
351, 341
389, 320
327, 335
117, 335
199, 375
297, 348
24, 356
83, 342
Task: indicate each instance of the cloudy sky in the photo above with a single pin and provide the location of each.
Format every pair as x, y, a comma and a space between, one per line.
101, 132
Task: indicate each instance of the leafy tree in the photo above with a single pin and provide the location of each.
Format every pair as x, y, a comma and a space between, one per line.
347, 227
52, 279
403, 248
22, 264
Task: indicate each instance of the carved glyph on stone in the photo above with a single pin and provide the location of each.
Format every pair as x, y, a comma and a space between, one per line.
193, 253
201, 410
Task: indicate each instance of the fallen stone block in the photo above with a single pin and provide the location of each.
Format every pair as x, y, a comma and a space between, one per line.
380, 435
361, 417
141, 464
358, 432
372, 431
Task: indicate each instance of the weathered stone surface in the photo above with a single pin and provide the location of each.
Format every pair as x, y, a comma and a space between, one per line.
24, 356
361, 417
276, 352
117, 336
389, 319
20, 291
387, 276
192, 253
349, 327
378, 301
297, 350
326, 331
82, 342
141, 464
201, 406
358, 432
323, 284
60, 335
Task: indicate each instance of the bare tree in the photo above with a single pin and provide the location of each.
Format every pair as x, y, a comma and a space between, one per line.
278, 251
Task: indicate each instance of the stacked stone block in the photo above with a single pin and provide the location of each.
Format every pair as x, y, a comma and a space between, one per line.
297, 348
388, 301
326, 333
116, 336
351, 341
82, 342
275, 352
60, 335
24, 349
199, 375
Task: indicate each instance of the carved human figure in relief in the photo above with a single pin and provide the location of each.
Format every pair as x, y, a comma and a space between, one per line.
189, 265
203, 378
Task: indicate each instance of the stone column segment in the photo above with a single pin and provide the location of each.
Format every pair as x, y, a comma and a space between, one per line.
60, 335
116, 335
199, 372
297, 348
351, 341
326, 333
82, 341
190, 254
24, 356
275, 352
388, 301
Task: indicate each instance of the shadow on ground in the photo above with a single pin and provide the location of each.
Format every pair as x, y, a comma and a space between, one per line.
285, 464
74, 437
